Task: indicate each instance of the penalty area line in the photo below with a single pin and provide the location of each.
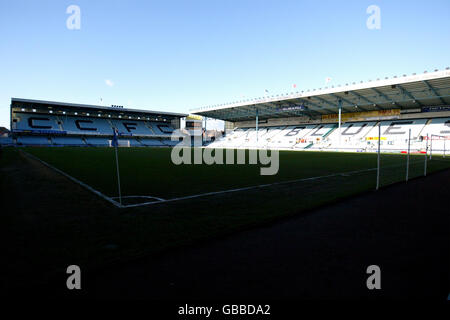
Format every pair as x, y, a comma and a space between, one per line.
144, 197
161, 200
247, 188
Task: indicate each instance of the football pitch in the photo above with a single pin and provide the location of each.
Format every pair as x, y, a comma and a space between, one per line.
45, 205
149, 175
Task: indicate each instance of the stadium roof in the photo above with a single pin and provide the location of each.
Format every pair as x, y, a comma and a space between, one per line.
64, 105
405, 92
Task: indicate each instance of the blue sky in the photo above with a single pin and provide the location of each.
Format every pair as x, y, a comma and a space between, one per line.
178, 55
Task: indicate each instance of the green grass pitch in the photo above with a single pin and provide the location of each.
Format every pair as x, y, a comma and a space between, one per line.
150, 171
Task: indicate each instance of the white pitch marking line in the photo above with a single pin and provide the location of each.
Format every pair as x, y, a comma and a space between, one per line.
348, 173
160, 200
117, 204
145, 197
244, 188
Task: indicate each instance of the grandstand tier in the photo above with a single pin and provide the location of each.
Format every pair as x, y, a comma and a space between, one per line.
352, 136
345, 118
38, 123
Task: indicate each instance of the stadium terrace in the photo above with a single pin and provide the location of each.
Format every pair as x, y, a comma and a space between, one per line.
351, 118
47, 123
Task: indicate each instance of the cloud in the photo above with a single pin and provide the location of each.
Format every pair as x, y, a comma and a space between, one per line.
109, 82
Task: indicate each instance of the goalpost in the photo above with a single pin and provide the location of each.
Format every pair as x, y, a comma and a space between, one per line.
442, 147
411, 165
121, 143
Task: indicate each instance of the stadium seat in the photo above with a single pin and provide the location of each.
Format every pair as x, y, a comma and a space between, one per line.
33, 141
353, 136
86, 125
34, 122
151, 142
97, 141
87, 131
161, 128
68, 141
138, 128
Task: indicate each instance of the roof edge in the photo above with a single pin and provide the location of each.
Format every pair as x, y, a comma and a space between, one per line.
338, 89
89, 106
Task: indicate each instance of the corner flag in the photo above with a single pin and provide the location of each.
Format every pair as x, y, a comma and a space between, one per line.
115, 144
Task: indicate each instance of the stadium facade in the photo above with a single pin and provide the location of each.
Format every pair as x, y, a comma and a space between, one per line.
48, 123
353, 117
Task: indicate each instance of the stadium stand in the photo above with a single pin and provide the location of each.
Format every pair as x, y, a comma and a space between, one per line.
343, 118
354, 136
97, 141
135, 143
364, 136
151, 142
169, 143
34, 141
161, 128
35, 122
133, 127
68, 141
439, 131
39, 123
81, 125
